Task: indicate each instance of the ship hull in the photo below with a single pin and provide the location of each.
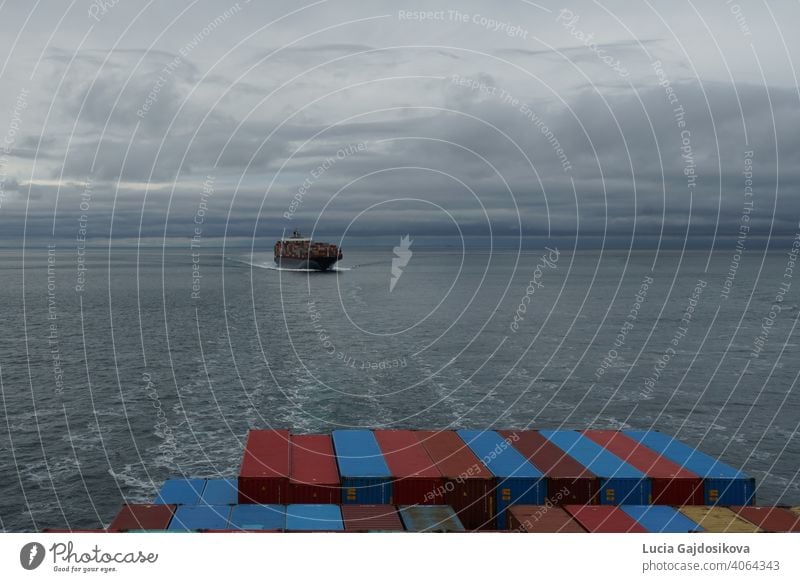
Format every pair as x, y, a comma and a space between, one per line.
314, 264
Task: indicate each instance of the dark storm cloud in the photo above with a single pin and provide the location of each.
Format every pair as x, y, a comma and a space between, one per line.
500, 148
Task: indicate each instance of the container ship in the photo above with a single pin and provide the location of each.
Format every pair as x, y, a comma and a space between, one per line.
545, 481
299, 252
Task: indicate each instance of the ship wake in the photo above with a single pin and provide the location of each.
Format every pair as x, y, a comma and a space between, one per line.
270, 265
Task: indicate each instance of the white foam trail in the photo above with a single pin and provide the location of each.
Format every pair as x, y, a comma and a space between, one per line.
270, 265
139, 489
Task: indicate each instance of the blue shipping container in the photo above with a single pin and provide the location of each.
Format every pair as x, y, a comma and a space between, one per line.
220, 492
661, 519
517, 480
181, 491
199, 517
364, 474
254, 516
619, 482
723, 484
313, 517
430, 518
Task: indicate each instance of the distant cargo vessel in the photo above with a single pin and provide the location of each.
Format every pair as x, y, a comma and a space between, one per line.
299, 252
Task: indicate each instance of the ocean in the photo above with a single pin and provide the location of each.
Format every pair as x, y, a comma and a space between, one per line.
123, 366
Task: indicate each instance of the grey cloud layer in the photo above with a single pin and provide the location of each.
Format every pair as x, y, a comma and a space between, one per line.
492, 156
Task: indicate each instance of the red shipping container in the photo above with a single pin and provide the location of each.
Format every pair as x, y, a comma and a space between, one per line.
468, 485
264, 475
416, 479
313, 474
371, 518
567, 480
671, 483
771, 519
142, 516
52, 530
541, 519
604, 519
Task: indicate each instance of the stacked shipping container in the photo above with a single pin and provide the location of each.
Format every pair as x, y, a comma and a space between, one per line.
313, 475
467, 484
180, 491
219, 492
313, 517
416, 480
264, 474
516, 480
567, 480
771, 519
661, 519
255, 517
542, 519
200, 517
430, 518
619, 481
142, 516
722, 484
479, 473
717, 519
604, 519
371, 518
364, 475
671, 484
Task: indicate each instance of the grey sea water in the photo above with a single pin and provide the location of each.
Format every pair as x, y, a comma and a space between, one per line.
149, 364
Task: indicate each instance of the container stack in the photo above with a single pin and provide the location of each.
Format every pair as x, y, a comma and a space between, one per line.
542, 519
371, 518
264, 473
363, 471
415, 477
516, 481
466, 480
313, 475
619, 481
671, 483
722, 484
467, 484
568, 481
604, 519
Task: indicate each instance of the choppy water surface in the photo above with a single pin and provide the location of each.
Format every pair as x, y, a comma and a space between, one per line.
112, 385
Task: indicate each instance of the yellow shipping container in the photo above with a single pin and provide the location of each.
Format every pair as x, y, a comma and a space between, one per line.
796, 509
718, 519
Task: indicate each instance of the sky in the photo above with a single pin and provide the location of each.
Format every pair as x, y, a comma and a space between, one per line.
634, 124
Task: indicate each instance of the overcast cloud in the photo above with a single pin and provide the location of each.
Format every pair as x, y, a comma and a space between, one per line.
613, 119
